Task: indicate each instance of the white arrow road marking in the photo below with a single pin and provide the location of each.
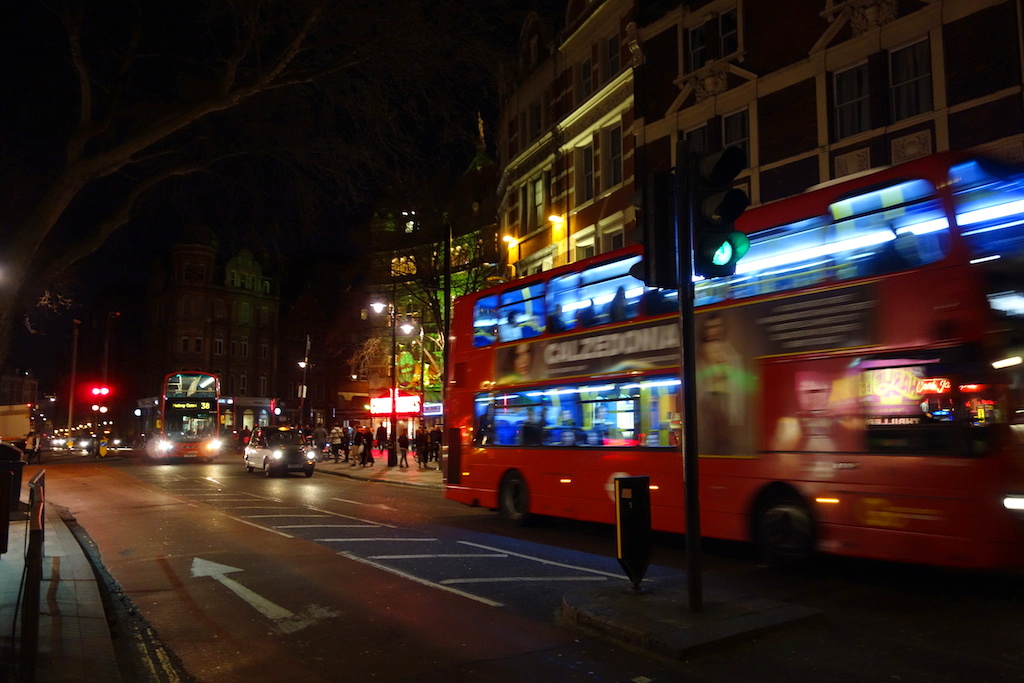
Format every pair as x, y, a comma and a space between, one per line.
286, 622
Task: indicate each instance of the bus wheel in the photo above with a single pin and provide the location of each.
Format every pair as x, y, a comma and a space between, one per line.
785, 529
514, 499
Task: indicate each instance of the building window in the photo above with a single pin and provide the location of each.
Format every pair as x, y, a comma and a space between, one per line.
187, 272
717, 38
612, 171
698, 47
853, 114
199, 345
537, 216
184, 344
218, 309
584, 251
614, 59
264, 350
243, 313
586, 79
263, 385
243, 381
201, 273
536, 123
728, 34
616, 240
584, 174
218, 346
233, 278
266, 286
911, 78
245, 347
697, 139
736, 132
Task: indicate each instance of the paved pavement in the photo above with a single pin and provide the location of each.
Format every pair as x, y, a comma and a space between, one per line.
75, 641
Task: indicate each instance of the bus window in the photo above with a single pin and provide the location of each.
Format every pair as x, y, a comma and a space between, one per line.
989, 209
622, 415
485, 321
521, 313
563, 302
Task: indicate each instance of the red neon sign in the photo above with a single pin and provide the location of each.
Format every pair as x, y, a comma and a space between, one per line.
933, 385
404, 405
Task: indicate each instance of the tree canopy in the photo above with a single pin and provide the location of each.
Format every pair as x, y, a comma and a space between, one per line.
270, 119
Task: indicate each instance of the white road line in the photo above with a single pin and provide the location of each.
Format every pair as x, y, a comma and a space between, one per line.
356, 502
431, 557
499, 579
260, 526
266, 516
413, 577
542, 560
360, 540
356, 519
323, 525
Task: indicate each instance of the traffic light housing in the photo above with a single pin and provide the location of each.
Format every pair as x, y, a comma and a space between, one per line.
656, 222
714, 206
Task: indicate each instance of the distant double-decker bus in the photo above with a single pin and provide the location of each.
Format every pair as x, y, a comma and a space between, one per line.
189, 421
859, 379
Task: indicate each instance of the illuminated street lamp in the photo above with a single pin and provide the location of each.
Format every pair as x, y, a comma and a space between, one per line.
304, 364
378, 307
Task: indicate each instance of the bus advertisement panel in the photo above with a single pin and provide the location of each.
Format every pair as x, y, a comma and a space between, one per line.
189, 422
859, 380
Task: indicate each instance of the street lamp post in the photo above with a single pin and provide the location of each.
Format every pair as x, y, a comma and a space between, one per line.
392, 441
304, 364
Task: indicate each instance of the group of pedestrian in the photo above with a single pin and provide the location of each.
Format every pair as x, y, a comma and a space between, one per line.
356, 445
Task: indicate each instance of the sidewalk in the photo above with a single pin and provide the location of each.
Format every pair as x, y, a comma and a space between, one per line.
75, 642
74, 638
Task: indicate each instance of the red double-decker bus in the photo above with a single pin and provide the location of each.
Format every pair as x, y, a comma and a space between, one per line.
189, 421
861, 388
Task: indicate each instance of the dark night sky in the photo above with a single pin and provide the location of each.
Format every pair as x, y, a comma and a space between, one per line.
125, 262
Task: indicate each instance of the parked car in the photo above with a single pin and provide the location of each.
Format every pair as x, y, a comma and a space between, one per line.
279, 450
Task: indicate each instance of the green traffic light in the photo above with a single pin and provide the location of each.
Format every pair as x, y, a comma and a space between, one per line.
723, 255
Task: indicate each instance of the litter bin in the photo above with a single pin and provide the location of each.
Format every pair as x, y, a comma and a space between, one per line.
10, 461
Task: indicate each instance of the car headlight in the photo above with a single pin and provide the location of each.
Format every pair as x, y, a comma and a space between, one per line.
277, 455
213, 445
164, 446
1014, 501
310, 455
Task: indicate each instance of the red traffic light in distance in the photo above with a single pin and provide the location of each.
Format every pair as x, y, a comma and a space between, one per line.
100, 391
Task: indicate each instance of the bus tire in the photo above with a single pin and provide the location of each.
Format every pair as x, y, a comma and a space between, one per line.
514, 499
785, 528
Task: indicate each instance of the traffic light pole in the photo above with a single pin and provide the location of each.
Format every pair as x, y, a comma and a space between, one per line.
684, 226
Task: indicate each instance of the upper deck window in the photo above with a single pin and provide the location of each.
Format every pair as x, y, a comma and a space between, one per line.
989, 209
881, 230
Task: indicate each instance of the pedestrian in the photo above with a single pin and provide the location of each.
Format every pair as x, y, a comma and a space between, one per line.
32, 447
382, 437
320, 440
357, 448
336, 436
367, 447
346, 441
422, 448
403, 449
436, 437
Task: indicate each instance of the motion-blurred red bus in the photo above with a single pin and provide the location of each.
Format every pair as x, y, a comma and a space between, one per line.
189, 421
860, 382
